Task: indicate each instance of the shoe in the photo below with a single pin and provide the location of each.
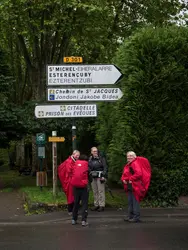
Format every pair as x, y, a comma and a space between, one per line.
101, 209
94, 208
69, 213
127, 219
134, 221
74, 222
84, 224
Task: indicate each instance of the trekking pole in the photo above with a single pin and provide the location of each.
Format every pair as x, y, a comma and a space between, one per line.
109, 190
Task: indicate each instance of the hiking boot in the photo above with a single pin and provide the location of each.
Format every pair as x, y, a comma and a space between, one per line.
134, 221
74, 222
84, 224
94, 208
127, 219
101, 209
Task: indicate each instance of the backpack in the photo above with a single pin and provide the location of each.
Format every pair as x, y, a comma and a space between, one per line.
146, 170
80, 174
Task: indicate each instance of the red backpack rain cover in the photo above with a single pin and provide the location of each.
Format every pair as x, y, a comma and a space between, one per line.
80, 174
141, 177
146, 170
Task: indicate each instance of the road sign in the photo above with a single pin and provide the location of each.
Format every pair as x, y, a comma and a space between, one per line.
56, 139
86, 94
82, 74
41, 152
63, 111
72, 59
40, 138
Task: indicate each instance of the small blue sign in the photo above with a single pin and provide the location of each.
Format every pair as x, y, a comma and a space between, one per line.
52, 97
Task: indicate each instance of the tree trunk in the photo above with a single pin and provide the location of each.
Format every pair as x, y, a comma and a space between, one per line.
20, 154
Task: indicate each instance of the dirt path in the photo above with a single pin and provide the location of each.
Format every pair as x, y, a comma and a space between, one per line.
11, 205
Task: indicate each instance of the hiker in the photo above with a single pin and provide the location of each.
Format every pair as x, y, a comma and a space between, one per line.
98, 168
65, 171
80, 180
136, 179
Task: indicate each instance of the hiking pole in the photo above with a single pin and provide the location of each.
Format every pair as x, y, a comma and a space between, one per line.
109, 190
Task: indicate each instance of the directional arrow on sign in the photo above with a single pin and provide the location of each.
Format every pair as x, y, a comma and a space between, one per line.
82, 74
84, 94
60, 111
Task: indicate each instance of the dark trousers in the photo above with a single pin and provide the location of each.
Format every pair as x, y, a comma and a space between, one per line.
133, 207
80, 194
70, 207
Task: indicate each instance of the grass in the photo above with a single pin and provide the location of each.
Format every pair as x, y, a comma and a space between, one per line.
45, 196
11, 179
35, 195
7, 190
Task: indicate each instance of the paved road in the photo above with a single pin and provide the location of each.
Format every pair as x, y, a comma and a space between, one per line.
11, 205
102, 234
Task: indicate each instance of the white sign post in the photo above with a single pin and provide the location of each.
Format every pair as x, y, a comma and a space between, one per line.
84, 94
82, 75
64, 111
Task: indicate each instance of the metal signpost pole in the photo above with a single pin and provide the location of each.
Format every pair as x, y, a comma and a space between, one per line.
74, 147
40, 141
74, 139
54, 163
41, 171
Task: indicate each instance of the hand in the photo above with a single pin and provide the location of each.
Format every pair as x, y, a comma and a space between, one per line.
130, 182
124, 182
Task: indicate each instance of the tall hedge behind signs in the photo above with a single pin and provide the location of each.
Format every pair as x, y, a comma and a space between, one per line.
152, 116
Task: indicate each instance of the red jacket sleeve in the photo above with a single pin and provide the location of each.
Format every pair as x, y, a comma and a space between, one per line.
125, 176
137, 173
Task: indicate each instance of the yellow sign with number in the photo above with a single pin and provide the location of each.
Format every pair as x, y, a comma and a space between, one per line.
73, 59
56, 139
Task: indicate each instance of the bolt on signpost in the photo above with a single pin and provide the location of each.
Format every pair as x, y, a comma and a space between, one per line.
41, 175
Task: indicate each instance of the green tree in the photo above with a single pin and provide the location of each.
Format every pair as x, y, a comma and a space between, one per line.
151, 118
37, 33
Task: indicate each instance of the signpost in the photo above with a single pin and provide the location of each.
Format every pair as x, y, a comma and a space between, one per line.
56, 139
63, 111
54, 163
82, 75
41, 175
40, 139
72, 59
75, 74
83, 94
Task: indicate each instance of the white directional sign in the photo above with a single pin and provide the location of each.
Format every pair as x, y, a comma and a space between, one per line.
82, 74
63, 111
86, 94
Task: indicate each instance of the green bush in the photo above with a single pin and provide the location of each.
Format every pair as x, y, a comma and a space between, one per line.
151, 118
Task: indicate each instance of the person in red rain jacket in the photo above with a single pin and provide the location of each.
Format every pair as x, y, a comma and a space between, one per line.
65, 171
134, 185
80, 179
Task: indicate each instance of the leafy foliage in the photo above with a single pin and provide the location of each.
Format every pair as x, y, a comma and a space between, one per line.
36, 34
151, 118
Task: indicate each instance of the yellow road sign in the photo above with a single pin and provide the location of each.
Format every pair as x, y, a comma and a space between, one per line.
73, 59
56, 139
